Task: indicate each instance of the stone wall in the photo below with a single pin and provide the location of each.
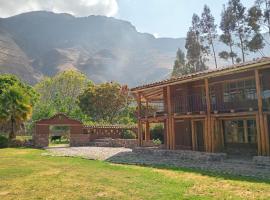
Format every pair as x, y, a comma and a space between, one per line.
181, 154
262, 160
114, 132
80, 135
109, 142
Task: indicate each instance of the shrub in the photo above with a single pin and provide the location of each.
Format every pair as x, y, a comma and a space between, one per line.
157, 133
3, 141
128, 134
157, 142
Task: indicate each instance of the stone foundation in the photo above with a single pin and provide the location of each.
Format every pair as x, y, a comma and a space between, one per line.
262, 160
182, 154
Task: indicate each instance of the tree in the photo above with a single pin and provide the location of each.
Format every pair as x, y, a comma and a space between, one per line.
245, 27
227, 27
264, 6
209, 31
60, 94
16, 102
104, 102
180, 67
195, 50
256, 42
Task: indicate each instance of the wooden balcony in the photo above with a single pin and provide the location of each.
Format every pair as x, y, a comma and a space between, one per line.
238, 101
188, 104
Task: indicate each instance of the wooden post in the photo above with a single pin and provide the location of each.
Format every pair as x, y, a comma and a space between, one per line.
169, 109
147, 131
258, 135
245, 131
208, 105
266, 135
260, 112
139, 120
193, 134
221, 134
173, 133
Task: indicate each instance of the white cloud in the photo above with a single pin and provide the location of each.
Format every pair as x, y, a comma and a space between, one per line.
156, 35
74, 7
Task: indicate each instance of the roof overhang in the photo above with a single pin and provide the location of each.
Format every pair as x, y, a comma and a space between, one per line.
146, 89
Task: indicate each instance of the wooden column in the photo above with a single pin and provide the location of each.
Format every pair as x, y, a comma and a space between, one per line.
261, 132
147, 131
147, 125
267, 135
208, 117
169, 121
193, 136
139, 120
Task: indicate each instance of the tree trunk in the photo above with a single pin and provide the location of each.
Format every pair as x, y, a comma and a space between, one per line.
242, 47
231, 54
214, 52
12, 132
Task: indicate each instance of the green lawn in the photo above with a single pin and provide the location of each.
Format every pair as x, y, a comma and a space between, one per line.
26, 174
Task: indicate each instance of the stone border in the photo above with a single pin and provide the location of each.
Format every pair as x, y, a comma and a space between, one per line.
182, 154
261, 160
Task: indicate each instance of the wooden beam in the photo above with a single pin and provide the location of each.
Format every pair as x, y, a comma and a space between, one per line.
267, 135
246, 131
139, 120
147, 95
208, 106
193, 135
173, 133
147, 131
235, 115
206, 134
196, 116
259, 144
169, 109
260, 112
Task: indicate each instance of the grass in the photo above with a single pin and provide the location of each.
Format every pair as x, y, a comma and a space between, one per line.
26, 174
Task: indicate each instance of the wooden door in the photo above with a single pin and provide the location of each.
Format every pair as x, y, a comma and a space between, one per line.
199, 131
183, 134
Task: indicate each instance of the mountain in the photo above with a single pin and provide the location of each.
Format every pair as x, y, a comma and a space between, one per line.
37, 44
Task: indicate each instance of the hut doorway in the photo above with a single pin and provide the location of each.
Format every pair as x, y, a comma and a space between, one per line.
59, 135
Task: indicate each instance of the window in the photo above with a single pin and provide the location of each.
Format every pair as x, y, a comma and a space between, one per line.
240, 131
239, 91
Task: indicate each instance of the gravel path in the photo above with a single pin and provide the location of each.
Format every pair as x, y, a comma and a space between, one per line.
95, 153
126, 156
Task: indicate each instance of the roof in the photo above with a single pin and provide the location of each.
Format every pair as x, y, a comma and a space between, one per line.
59, 118
205, 74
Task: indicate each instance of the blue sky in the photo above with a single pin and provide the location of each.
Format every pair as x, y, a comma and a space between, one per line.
167, 18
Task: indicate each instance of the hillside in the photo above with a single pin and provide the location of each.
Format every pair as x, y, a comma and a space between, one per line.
37, 44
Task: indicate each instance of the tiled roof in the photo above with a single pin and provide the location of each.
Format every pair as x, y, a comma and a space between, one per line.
263, 60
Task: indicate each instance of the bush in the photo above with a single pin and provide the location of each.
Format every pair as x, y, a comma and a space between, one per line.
157, 133
157, 142
3, 141
128, 134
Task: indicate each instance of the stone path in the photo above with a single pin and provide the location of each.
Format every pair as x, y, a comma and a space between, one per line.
95, 153
231, 166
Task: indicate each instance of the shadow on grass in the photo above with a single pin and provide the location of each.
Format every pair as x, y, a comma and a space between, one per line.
125, 158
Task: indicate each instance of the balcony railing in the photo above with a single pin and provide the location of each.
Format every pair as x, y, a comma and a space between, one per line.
189, 104
243, 100
266, 100
154, 109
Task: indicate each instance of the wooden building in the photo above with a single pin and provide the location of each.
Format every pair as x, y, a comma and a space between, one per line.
221, 110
